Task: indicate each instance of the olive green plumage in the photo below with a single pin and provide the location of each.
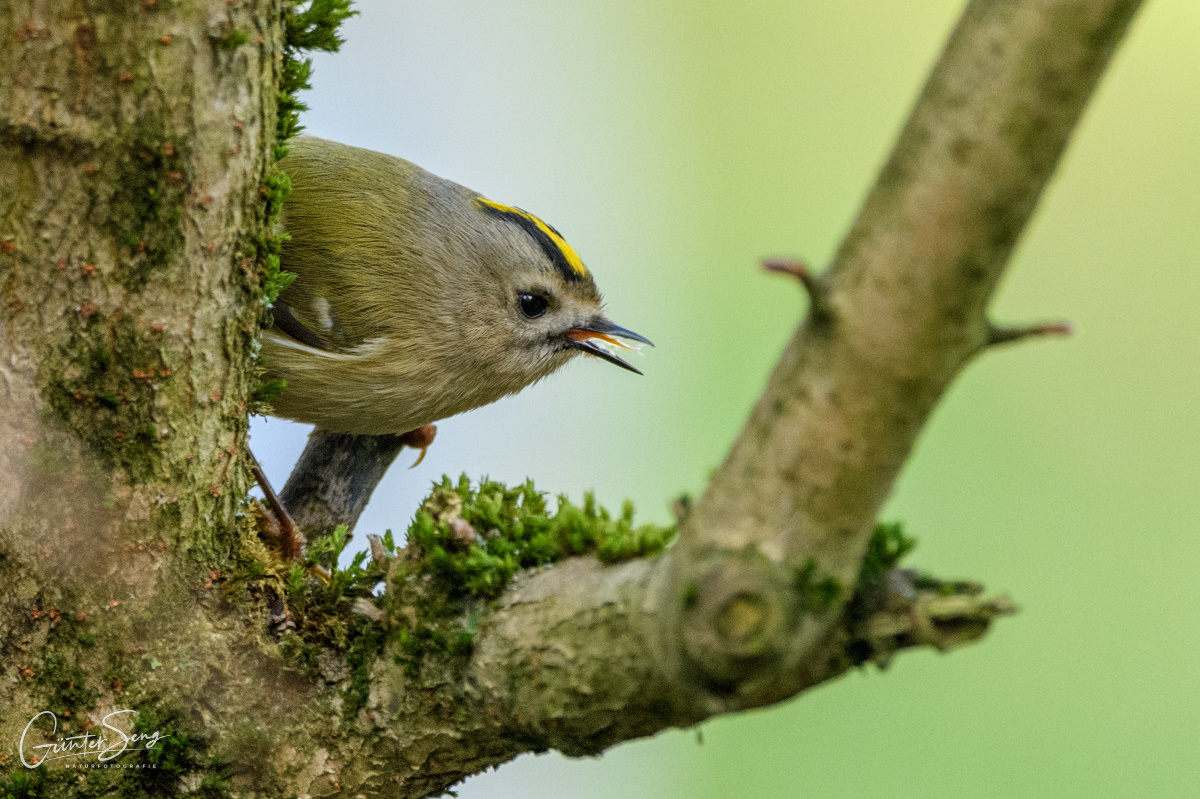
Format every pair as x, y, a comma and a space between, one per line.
415, 298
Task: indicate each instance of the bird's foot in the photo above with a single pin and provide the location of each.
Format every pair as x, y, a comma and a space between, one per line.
420, 439
278, 525
280, 531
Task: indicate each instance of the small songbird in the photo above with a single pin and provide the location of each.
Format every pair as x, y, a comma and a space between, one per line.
416, 298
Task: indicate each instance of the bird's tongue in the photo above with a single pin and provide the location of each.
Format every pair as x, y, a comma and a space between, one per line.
584, 335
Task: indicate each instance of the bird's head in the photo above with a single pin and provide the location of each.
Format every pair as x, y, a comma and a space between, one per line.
550, 308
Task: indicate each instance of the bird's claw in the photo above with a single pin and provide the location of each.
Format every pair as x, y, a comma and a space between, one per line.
420, 439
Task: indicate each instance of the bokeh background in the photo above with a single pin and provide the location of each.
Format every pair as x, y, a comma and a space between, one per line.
674, 143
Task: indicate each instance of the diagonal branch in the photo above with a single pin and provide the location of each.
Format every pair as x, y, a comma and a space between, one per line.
907, 294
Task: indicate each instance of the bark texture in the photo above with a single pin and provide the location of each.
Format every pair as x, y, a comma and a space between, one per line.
133, 142
334, 479
134, 138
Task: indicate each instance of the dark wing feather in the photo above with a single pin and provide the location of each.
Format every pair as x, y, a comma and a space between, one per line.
286, 323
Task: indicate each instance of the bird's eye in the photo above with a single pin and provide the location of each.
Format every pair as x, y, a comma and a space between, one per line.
532, 305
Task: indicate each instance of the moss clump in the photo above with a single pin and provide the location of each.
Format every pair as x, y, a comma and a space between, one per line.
816, 592
177, 754
314, 28
233, 39
173, 756
321, 610
885, 549
467, 542
24, 784
511, 529
66, 686
276, 188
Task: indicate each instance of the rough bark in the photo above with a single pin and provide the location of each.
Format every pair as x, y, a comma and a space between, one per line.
133, 141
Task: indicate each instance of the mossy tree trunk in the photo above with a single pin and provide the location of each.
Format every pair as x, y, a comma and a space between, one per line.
136, 150
134, 137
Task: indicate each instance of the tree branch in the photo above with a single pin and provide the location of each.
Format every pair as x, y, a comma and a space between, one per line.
334, 478
565, 661
907, 294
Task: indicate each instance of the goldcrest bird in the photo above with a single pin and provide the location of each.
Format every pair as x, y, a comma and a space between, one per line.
416, 298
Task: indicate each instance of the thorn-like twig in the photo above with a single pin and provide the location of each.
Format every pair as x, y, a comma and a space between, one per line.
1007, 335
818, 293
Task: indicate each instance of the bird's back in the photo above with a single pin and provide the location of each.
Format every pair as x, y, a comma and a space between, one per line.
352, 207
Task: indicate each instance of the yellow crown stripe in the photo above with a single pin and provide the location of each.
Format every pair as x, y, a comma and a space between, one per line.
568, 252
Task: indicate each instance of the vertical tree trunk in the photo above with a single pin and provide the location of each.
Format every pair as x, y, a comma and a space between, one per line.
132, 150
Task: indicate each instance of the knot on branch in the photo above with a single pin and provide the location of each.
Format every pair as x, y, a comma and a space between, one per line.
738, 618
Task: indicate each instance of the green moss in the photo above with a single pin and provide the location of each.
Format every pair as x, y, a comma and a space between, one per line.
265, 393
314, 28
25, 784
68, 687
366, 643
108, 402
513, 530
299, 654
276, 188
146, 206
172, 757
816, 592
233, 39
321, 609
213, 787
885, 549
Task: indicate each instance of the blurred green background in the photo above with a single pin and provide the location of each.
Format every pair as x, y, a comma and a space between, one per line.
675, 143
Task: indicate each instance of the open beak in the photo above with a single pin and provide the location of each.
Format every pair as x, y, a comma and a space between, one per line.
583, 338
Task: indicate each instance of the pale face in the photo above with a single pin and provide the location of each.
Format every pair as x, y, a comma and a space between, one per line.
540, 312
543, 304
